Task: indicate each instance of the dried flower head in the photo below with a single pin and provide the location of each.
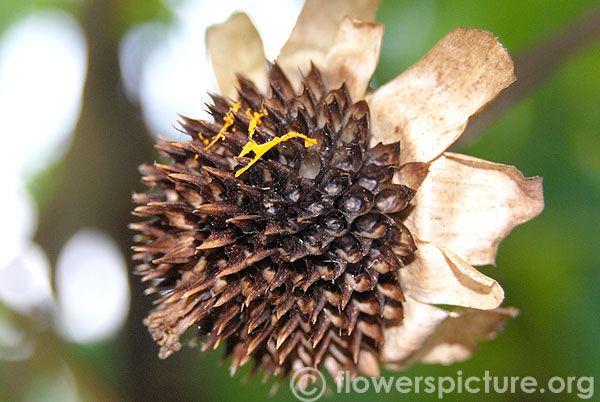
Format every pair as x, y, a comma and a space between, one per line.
314, 223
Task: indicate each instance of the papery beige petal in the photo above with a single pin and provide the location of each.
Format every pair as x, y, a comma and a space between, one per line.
452, 339
315, 32
438, 276
354, 55
427, 107
235, 47
412, 174
469, 205
457, 338
419, 323
368, 364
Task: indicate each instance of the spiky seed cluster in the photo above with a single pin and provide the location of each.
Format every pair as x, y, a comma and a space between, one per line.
295, 261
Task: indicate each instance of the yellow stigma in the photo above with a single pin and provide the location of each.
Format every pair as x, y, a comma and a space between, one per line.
228, 119
255, 120
201, 137
251, 146
260, 149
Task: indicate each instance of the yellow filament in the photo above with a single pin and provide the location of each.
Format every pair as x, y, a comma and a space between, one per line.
228, 118
260, 149
204, 140
251, 146
255, 120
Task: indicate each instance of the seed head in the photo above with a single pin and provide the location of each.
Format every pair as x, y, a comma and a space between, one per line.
276, 231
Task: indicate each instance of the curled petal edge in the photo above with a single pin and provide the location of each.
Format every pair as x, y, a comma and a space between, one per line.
468, 205
428, 106
453, 337
315, 32
438, 276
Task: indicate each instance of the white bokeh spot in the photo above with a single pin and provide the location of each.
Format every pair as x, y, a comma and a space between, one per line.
91, 287
25, 282
43, 63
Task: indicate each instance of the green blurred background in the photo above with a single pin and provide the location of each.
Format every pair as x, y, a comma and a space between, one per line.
549, 268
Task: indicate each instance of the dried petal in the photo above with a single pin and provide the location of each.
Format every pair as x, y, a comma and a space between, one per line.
438, 276
228, 57
427, 107
353, 57
315, 32
419, 323
469, 205
449, 336
457, 338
